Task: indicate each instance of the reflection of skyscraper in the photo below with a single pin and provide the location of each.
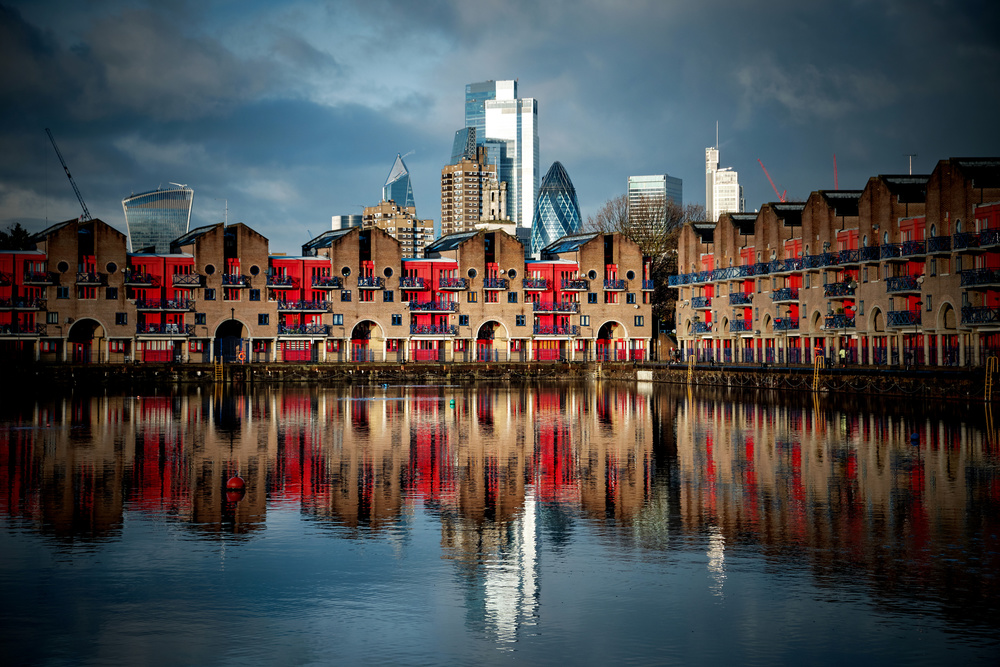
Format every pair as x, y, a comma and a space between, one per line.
154, 219
397, 187
557, 212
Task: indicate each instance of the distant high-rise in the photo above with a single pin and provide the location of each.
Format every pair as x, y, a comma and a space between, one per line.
345, 221
402, 224
723, 192
510, 125
470, 193
557, 212
464, 146
155, 218
397, 186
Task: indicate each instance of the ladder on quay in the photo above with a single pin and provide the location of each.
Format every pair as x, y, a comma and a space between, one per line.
817, 364
218, 370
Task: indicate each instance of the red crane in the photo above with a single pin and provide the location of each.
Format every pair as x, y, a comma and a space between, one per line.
781, 195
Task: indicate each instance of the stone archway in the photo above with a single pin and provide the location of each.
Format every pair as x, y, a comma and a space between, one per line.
229, 340
84, 341
611, 342
487, 346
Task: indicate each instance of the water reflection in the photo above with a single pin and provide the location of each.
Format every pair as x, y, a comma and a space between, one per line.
902, 503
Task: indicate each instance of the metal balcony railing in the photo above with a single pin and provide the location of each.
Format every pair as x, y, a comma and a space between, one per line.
980, 315
974, 277
615, 284
160, 329
903, 318
303, 329
648, 285
164, 304
833, 290
786, 324
452, 283
989, 237
740, 325
839, 321
434, 306
870, 253
235, 280
890, 251
299, 306
939, 244
849, 256
281, 282
902, 284
545, 330
327, 282
26, 330
576, 284
701, 327
187, 279
23, 304
965, 240
910, 248
497, 283
90, 278
740, 299
555, 307
370, 282
39, 278
433, 330
701, 302
411, 282
785, 294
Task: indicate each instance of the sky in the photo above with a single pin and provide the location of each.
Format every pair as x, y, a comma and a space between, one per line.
286, 113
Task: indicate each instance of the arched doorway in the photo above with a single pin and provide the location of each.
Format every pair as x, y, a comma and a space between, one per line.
361, 338
611, 342
229, 341
485, 341
84, 341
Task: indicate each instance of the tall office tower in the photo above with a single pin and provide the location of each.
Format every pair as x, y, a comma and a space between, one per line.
345, 221
464, 145
155, 218
647, 197
462, 188
402, 224
557, 212
723, 192
513, 121
397, 187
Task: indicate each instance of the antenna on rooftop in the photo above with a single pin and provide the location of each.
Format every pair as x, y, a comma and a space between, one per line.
911, 156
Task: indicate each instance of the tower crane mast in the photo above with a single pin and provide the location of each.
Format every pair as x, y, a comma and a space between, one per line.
781, 195
86, 213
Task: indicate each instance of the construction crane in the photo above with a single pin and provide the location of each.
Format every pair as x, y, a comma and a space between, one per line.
781, 196
86, 213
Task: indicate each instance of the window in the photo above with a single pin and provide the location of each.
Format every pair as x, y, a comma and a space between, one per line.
116, 346
463, 320
121, 319
199, 318
48, 346
111, 293
929, 307
263, 319
490, 297
592, 297
861, 307
611, 297
345, 295
209, 294
62, 292
639, 321
630, 297
83, 292
472, 297
52, 318
585, 320
387, 295
397, 320
519, 320
231, 294
807, 281
338, 319
255, 295
511, 297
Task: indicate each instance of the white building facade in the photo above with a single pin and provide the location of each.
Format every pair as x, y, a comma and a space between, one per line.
723, 192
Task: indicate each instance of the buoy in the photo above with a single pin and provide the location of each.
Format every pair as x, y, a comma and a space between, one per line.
452, 402
914, 438
236, 483
233, 497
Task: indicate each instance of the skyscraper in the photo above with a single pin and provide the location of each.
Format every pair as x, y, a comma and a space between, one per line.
155, 218
657, 188
505, 118
557, 212
723, 192
464, 145
463, 186
397, 186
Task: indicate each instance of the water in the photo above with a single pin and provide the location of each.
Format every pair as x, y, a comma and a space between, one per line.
481, 525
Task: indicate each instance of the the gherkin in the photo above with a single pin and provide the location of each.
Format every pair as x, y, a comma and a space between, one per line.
557, 211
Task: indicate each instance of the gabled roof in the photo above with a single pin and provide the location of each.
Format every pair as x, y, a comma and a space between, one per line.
570, 243
450, 242
984, 172
909, 189
790, 213
744, 222
705, 231
326, 239
843, 202
193, 234
48, 231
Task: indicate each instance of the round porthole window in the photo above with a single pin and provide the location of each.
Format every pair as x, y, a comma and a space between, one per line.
592, 275
209, 269
111, 267
63, 267
254, 270
630, 275
512, 273
387, 272
472, 273
346, 271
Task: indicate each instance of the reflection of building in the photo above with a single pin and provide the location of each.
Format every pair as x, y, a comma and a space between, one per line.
557, 212
156, 218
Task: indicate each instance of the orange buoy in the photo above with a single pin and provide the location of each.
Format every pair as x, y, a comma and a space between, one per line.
236, 483
233, 497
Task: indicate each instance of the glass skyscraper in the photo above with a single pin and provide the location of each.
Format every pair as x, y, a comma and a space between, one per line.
464, 146
557, 212
397, 187
155, 218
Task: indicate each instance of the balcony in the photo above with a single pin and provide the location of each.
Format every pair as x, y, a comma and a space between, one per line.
282, 282
989, 238
496, 284
813, 262
615, 285
303, 329
903, 284
939, 245
36, 278
974, 315
140, 279
965, 241
740, 325
235, 280
891, 252
370, 282
870, 254
412, 283
701, 302
164, 329
174, 305
91, 279
576, 285
326, 282
839, 321
303, 306
740, 299
786, 324
433, 330
906, 318
22, 304
849, 257
785, 294
535, 284
433, 306
912, 248
546, 330
556, 307
29, 330
843, 290
980, 277
729, 273
647, 285
187, 280
701, 327
454, 284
